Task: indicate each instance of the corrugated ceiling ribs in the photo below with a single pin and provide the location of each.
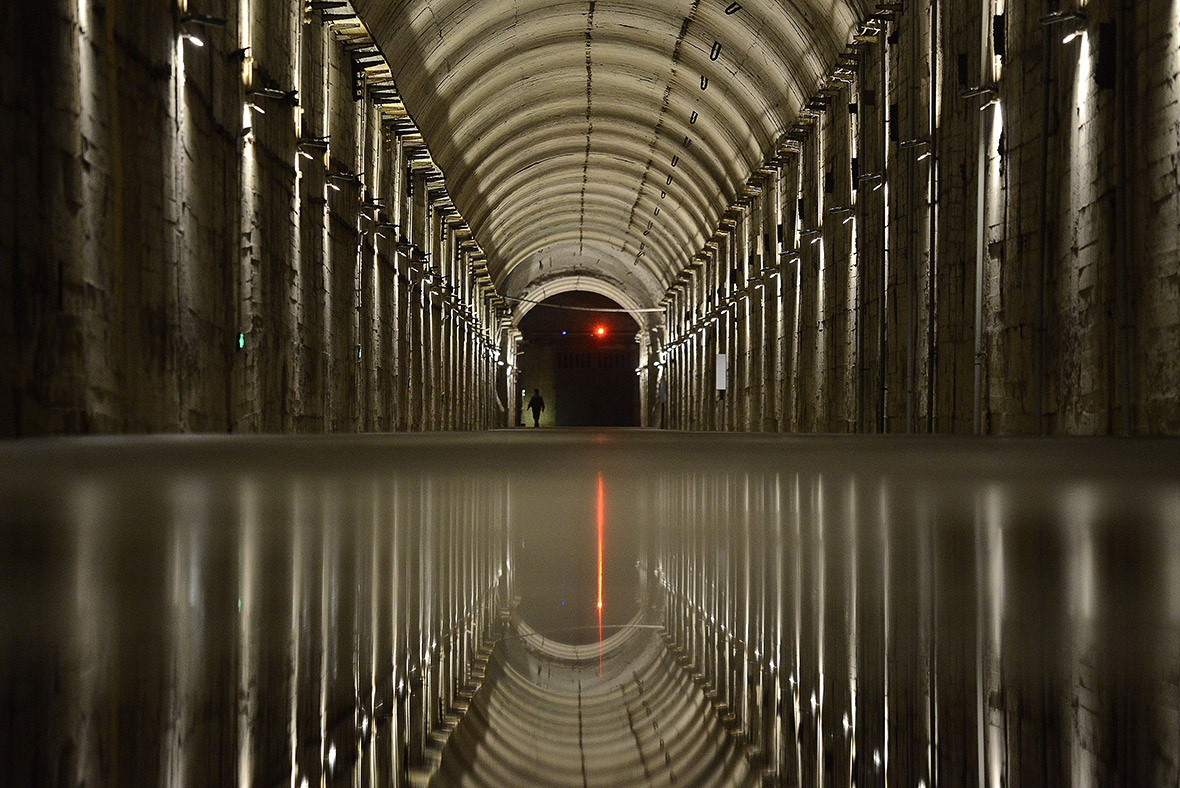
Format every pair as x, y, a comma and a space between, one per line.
604, 138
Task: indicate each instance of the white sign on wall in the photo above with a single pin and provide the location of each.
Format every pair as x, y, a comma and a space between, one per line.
721, 372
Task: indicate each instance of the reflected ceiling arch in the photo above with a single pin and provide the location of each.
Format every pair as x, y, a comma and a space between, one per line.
634, 125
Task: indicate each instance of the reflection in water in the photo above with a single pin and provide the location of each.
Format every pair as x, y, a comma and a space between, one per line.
951, 628
917, 613
183, 617
567, 568
599, 517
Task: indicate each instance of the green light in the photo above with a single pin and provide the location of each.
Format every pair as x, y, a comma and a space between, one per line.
239, 605
241, 341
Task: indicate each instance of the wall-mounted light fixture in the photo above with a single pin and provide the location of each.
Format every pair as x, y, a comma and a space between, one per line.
203, 19
1059, 17
875, 178
335, 178
309, 145
989, 91
1075, 22
190, 21
847, 211
922, 145
288, 97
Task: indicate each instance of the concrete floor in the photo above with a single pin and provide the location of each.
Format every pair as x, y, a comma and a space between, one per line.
349, 611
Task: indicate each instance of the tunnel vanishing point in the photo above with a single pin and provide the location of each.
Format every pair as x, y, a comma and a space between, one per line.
890, 291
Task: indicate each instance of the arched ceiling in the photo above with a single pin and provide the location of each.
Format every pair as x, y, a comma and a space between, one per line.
604, 138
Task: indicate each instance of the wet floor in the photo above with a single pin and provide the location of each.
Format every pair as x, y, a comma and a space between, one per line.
618, 713
572, 553
208, 611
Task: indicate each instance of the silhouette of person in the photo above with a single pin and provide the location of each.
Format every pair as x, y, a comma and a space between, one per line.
536, 405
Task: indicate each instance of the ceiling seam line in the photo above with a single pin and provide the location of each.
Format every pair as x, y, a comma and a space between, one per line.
663, 111
589, 126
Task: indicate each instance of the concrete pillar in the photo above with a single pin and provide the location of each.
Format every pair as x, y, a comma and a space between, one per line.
728, 325
677, 371
713, 342
431, 345
874, 196
400, 212
742, 321
756, 341
909, 171
769, 304
419, 323
811, 253
792, 290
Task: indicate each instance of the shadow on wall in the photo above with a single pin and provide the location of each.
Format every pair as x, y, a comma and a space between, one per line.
583, 363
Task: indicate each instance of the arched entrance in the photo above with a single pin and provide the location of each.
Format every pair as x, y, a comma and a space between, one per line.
582, 361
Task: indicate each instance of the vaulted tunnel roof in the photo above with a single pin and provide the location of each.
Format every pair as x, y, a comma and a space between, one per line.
601, 139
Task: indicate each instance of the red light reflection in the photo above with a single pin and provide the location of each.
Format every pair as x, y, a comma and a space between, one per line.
601, 508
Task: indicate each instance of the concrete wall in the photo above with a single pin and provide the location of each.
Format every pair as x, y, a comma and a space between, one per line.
167, 270
896, 191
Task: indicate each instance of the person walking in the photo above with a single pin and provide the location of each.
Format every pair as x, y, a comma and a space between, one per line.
537, 405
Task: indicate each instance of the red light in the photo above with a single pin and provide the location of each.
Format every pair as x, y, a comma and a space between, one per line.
600, 331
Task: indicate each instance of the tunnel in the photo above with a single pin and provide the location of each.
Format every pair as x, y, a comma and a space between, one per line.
579, 352
432, 393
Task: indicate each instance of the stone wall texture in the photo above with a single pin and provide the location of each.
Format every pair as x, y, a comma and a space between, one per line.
173, 263
974, 229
